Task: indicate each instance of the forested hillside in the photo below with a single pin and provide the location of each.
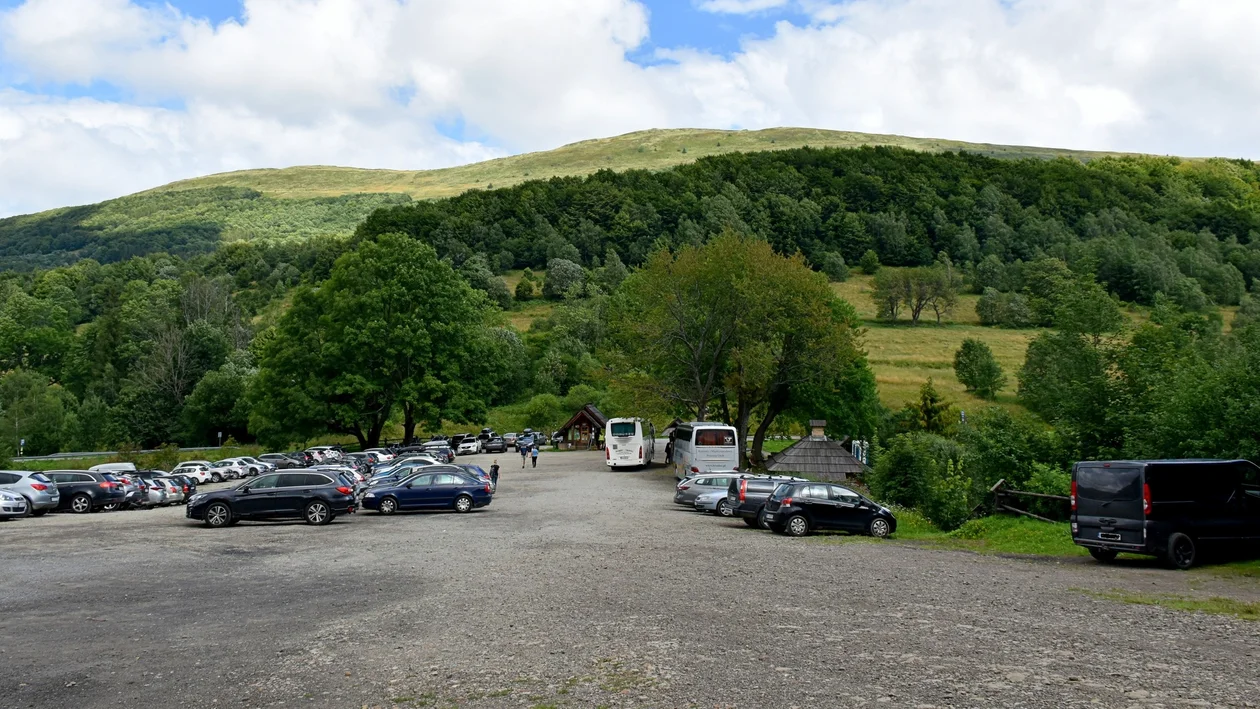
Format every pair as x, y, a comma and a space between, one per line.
294, 204
1113, 272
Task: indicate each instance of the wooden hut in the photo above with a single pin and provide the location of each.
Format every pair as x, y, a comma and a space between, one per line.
585, 431
817, 457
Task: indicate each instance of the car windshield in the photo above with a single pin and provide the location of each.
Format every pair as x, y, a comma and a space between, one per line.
623, 428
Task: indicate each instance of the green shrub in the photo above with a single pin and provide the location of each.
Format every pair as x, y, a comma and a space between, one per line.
1048, 480
834, 266
911, 466
978, 369
948, 502
870, 262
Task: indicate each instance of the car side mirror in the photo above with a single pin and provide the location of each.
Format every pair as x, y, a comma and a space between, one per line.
244, 491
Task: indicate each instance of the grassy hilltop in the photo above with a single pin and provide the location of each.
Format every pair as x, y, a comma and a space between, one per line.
643, 150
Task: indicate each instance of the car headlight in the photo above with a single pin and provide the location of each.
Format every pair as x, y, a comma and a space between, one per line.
196, 497
370, 494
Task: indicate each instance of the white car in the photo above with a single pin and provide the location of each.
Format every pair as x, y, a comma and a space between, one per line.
381, 453
470, 446
249, 465
198, 467
11, 505
230, 469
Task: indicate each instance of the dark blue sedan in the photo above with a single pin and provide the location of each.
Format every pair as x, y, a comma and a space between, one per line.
429, 491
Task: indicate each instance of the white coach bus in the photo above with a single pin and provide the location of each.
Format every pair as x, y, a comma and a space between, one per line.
704, 447
629, 443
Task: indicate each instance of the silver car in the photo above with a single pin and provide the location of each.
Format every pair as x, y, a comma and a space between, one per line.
12, 505
715, 502
155, 490
39, 491
690, 488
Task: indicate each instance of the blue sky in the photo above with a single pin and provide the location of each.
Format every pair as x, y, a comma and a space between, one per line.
95, 103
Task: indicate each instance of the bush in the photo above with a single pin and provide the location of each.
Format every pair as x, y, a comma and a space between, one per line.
1004, 309
563, 276
948, 502
978, 369
1049, 480
906, 472
834, 266
870, 262
525, 290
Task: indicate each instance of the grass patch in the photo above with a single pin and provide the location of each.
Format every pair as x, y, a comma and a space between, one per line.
1215, 606
1244, 569
991, 535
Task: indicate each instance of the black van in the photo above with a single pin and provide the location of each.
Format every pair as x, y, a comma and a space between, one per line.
1164, 508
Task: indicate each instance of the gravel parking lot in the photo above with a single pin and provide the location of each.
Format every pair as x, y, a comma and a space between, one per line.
580, 587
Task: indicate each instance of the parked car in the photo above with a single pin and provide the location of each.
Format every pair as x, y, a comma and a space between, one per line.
688, 489
440, 451
405, 470
714, 502
232, 468
174, 489
134, 496
39, 491
252, 466
315, 496
281, 461
12, 505
304, 458
83, 491
510, 440
433, 491
154, 489
197, 466
469, 446
494, 445
196, 471
747, 497
113, 468
800, 508
1164, 508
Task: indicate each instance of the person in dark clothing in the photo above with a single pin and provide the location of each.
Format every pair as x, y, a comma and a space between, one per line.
494, 473
524, 455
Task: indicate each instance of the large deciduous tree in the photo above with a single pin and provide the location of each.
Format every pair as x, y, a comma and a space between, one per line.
392, 326
732, 323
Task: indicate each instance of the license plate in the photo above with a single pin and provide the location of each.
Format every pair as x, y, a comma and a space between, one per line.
1109, 536
769, 515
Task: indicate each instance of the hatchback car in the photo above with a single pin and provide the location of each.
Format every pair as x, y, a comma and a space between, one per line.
714, 502
430, 491
317, 497
280, 460
494, 445
685, 492
800, 508
12, 505
37, 489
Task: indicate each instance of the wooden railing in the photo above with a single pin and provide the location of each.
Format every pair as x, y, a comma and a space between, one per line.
1003, 497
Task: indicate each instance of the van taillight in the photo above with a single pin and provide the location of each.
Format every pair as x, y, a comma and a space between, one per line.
1146, 499
694, 469
743, 488
1073, 498
607, 453
640, 452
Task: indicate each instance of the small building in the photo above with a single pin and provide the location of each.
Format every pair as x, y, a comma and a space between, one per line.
817, 457
585, 431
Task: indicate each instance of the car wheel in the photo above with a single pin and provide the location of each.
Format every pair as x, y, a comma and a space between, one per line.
797, 526
111, 507
1181, 551
218, 515
761, 519
751, 521
32, 512
463, 503
1103, 555
879, 528
81, 504
388, 506
724, 508
318, 512
216, 478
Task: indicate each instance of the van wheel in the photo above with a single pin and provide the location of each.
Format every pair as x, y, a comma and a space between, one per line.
1181, 551
1103, 555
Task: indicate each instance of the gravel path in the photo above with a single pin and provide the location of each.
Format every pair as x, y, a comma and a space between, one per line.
579, 588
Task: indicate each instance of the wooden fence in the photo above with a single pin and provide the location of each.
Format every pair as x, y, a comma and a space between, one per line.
1004, 498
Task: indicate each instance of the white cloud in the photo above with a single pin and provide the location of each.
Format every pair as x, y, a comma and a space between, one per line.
740, 7
365, 82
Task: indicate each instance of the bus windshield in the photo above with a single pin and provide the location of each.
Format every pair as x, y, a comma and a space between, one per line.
623, 429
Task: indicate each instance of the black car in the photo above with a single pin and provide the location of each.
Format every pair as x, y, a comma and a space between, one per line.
83, 491
747, 497
495, 445
316, 497
800, 508
1164, 508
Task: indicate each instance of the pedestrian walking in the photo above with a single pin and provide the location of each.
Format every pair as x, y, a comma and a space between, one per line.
494, 473
533, 453
524, 455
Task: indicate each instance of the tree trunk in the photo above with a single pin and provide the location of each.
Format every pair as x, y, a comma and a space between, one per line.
743, 413
726, 410
774, 407
409, 423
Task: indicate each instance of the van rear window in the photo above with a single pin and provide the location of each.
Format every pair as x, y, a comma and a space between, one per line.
714, 437
623, 428
1105, 484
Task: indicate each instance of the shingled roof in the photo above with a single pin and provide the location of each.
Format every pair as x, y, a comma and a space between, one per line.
817, 457
590, 414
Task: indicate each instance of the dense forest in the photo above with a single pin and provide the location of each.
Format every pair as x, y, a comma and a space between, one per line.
404, 325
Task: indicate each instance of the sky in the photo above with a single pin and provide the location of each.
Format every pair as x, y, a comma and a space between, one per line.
101, 98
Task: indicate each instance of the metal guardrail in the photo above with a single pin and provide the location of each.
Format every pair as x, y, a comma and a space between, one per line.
98, 454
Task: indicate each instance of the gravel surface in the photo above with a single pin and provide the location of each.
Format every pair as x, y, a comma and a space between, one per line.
579, 587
